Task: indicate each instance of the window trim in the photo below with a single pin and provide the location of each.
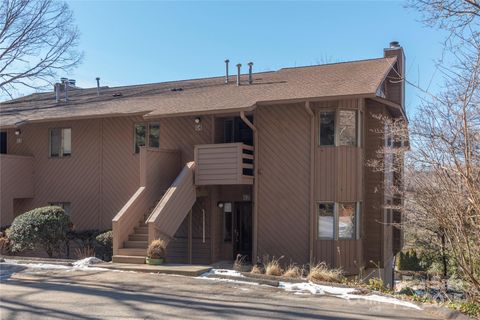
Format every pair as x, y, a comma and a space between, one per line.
61, 153
147, 135
336, 220
336, 111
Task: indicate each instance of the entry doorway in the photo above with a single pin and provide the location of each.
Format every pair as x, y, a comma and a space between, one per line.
242, 230
3, 142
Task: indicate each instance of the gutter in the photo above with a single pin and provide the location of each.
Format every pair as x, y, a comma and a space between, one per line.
312, 180
255, 181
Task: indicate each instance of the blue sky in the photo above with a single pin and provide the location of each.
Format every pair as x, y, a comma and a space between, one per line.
153, 41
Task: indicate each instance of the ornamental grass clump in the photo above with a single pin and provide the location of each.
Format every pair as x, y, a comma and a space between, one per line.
157, 249
293, 272
321, 272
273, 267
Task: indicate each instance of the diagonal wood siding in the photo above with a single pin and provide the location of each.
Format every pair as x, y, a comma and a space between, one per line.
283, 157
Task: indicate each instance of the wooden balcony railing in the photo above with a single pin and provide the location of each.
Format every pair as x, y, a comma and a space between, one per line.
224, 164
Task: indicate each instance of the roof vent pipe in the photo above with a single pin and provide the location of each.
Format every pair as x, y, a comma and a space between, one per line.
226, 70
66, 90
250, 67
98, 85
72, 82
56, 87
238, 73
63, 80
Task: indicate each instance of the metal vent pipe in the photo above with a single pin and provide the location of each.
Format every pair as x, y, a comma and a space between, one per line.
250, 68
238, 73
226, 70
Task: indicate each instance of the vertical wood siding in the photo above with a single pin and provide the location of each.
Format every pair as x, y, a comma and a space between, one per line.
16, 182
283, 157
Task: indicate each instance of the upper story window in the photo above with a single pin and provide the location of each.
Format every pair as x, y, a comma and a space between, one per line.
60, 142
147, 134
338, 220
339, 128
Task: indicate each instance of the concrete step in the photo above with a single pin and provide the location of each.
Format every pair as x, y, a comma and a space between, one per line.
136, 244
138, 237
141, 230
128, 259
133, 252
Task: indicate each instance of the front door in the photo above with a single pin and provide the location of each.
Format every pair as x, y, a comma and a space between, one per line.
3, 142
242, 230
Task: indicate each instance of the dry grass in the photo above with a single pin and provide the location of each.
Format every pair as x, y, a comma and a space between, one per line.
321, 272
256, 269
84, 252
293, 271
157, 249
272, 267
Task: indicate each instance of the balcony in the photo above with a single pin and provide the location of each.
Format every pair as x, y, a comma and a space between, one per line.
223, 164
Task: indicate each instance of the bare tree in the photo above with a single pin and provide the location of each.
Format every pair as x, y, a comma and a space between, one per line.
441, 189
38, 39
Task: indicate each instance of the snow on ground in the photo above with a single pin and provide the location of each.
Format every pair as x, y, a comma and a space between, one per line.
344, 293
210, 275
83, 264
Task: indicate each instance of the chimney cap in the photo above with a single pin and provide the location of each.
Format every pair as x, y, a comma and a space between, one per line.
227, 61
250, 63
394, 44
239, 64
97, 78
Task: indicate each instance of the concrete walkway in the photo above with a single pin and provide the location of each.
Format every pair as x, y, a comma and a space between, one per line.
95, 294
179, 269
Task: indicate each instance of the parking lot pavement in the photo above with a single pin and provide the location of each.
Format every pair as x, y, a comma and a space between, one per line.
83, 294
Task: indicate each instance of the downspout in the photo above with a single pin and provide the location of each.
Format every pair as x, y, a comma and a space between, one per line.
255, 183
312, 179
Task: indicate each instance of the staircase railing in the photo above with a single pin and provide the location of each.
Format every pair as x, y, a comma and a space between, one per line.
158, 168
174, 206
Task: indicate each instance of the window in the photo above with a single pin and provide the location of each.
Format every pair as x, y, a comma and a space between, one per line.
326, 220
346, 220
147, 135
347, 128
339, 128
60, 142
64, 205
338, 220
327, 128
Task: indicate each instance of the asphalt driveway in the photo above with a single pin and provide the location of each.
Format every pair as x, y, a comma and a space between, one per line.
27, 293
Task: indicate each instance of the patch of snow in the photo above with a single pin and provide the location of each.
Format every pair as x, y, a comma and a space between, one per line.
344, 293
225, 272
227, 280
84, 263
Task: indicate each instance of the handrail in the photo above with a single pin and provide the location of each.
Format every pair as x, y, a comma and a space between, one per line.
175, 204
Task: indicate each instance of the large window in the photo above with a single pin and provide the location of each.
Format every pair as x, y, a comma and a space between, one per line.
338, 220
339, 128
60, 142
147, 134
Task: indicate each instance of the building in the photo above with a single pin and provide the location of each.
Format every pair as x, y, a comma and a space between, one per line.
269, 163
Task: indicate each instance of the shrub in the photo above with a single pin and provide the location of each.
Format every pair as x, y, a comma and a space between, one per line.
272, 267
293, 271
321, 272
157, 249
105, 241
45, 227
376, 284
409, 261
256, 269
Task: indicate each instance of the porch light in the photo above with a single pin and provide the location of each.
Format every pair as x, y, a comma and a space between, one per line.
198, 120
220, 205
18, 132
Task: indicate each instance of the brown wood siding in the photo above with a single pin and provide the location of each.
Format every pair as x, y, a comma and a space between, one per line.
283, 156
16, 182
374, 195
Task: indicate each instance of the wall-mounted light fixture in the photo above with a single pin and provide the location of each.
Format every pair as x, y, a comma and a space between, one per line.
198, 124
18, 132
220, 204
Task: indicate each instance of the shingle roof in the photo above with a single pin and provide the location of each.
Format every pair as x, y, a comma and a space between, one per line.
203, 95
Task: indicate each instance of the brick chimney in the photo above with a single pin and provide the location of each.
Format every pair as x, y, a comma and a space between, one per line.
395, 83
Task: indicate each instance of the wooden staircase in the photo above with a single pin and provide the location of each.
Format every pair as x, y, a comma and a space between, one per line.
135, 248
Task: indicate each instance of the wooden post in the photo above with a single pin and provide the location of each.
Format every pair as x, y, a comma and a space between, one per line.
190, 237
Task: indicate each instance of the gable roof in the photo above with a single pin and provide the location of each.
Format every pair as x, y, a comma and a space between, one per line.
203, 95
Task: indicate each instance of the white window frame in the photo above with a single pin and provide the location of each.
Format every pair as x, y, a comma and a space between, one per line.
335, 228
62, 141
